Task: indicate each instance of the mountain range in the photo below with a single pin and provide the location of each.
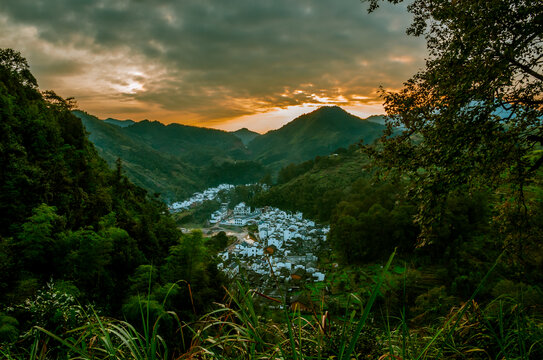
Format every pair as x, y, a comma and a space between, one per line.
317, 133
176, 160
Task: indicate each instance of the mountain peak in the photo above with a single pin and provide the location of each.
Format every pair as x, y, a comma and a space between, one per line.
316, 133
245, 135
330, 108
120, 123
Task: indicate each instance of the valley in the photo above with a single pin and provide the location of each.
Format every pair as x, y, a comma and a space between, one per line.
177, 160
269, 247
133, 228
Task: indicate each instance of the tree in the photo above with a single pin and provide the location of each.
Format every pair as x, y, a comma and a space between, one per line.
474, 113
36, 242
14, 62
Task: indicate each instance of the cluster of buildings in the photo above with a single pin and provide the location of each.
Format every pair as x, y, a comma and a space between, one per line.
200, 197
284, 249
281, 247
241, 215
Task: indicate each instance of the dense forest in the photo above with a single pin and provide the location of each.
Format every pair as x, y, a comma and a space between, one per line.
177, 160
75, 232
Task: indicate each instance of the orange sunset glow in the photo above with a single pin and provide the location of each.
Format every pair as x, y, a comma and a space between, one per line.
211, 64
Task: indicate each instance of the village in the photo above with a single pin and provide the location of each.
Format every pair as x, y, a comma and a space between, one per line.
272, 247
200, 197
283, 250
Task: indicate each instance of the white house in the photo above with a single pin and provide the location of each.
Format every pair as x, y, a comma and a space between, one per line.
275, 241
216, 216
242, 209
319, 276
240, 221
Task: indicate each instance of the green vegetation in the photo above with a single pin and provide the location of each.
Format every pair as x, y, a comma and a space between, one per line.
317, 133
151, 169
72, 231
174, 174
435, 244
481, 125
176, 160
316, 186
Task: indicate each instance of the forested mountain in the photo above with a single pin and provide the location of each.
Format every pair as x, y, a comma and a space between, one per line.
161, 171
119, 123
245, 135
175, 160
317, 133
74, 231
193, 144
151, 169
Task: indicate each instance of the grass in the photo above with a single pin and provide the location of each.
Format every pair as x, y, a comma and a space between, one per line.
238, 329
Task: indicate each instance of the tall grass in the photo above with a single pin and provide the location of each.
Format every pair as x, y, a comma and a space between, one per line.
503, 329
112, 339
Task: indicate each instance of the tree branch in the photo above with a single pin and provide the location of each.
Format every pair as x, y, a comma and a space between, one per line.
525, 68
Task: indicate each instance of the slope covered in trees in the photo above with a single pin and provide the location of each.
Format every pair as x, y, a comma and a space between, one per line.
176, 173
193, 144
316, 186
151, 169
317, 133
68, 220
175, 160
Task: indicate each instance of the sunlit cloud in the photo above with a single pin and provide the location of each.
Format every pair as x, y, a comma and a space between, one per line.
213, 63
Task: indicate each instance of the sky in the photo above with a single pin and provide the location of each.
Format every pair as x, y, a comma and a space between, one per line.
214, 63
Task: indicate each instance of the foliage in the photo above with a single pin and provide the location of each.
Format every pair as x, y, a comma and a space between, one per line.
315, 187
314, 134
232, 172
372, 222
9, 331
478, 126
13, 62
64, 215
54, 308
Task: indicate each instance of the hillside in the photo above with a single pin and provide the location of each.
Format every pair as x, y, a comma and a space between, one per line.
156, 171
148, 153
317, 133
195, 145
119, 123
332, 177
245, 135
176, 160
64, 215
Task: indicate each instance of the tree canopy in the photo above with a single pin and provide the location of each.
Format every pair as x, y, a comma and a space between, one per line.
474, 114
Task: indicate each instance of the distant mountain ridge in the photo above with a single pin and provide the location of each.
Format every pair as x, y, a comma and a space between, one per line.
120, 123
317, 133
245, 135
194, 144
177, 159
155, 171
173, 160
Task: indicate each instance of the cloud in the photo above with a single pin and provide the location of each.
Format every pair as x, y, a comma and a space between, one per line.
208, 60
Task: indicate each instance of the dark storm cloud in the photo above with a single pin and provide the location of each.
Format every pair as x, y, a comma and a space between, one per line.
221, 58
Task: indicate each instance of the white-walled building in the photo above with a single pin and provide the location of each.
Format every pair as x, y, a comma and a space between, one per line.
242, 209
